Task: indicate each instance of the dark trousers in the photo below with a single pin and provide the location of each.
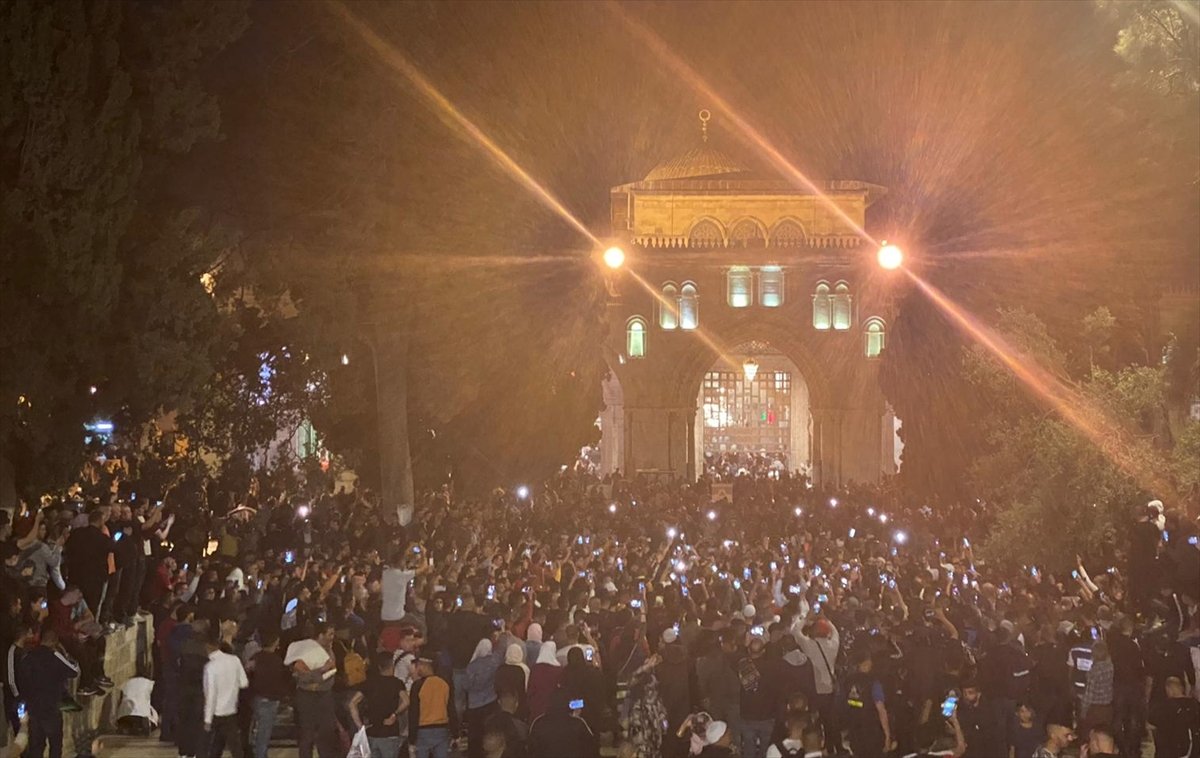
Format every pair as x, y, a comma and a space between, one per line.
45, 728
112, 590
475, 720
132, 577
92, 587
833, 731
189, 731
315, 719
225, 733
1129, 718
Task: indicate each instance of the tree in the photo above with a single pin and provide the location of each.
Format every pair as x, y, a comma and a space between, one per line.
99, 267
1042, 469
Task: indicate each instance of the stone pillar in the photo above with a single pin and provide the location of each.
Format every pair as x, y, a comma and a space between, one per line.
827, 444
657, 439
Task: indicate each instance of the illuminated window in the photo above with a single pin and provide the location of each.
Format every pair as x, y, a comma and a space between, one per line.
668, 309
689, 307
738, 280
874, 337
822, 307
770, 286
635, 338
841, 306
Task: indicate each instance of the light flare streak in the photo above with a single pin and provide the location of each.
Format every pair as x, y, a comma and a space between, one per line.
447, 110
685, 71
1088, 419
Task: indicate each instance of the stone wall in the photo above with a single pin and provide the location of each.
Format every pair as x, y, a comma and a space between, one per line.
128, 653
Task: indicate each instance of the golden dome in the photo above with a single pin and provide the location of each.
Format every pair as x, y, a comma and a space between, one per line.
704, 160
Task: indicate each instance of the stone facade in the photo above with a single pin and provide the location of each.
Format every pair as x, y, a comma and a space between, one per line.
681, 228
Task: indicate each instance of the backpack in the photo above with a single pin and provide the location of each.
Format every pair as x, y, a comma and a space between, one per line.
354, 667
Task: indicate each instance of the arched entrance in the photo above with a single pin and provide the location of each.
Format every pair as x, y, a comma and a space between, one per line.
753, 413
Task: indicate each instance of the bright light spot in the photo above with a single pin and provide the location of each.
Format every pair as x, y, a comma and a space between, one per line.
614, 257
750, 369
680, 566
92, 390
833, 502
712, 515
103, 426
798, 511
853, 531
890, 256
870, 511
345, 359
522, 492
208, 282
883, 518
612, 507
303, 511
672, 533
900, 537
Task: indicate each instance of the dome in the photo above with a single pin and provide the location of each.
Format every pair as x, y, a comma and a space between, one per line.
704, 160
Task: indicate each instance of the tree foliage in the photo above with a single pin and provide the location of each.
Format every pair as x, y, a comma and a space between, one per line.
99, 268
1043, 471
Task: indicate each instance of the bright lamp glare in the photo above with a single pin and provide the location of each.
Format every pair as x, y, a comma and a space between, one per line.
522, 492
900, 537
712, 515
614, 257
798, 511
612, 507
672, 533
302, 511
833, 502
890, 256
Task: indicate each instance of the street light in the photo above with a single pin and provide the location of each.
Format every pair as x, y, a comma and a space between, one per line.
890, 256
614, 257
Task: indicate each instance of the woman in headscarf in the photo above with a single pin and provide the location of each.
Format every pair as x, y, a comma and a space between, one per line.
513, 677
481, 694
533, 643
543, 680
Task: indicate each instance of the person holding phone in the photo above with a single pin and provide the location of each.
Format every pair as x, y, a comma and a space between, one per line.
981, 719
561, 732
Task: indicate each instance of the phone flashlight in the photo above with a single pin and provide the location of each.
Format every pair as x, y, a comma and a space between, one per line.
949, 705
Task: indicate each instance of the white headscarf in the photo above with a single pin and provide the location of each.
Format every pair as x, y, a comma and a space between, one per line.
482, 650
548, 653
515, 656
534, 633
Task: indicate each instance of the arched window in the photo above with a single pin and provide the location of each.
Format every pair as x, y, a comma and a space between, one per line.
841, 306
668, 308
635, 338
706, 234
874, 337
770, 286
788, 233
747, 233
738, 280
689, 307
822, 307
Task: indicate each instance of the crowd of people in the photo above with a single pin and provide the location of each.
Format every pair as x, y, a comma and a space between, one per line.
635, 615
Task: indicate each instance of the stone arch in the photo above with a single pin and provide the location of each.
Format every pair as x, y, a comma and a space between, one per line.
706, 232
747, 231
780, 334
788, 232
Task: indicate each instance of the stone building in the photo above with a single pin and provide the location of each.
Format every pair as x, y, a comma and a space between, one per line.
746, 324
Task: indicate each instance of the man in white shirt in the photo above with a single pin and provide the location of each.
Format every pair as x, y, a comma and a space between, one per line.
224, 678
395, 581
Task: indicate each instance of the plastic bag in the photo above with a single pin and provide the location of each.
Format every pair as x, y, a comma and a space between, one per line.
359, 746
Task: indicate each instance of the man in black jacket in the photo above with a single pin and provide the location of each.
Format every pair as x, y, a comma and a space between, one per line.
42, 674
88, 552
